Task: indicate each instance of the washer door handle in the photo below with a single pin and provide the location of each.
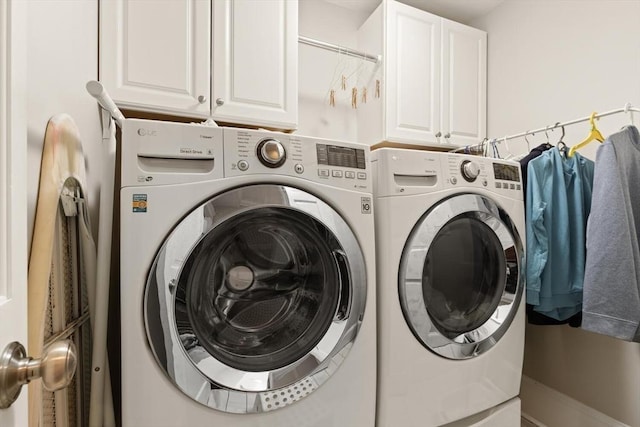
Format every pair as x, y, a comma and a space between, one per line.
345, 287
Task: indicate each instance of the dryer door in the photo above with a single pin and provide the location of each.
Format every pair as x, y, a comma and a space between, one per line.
460, 282
255, 298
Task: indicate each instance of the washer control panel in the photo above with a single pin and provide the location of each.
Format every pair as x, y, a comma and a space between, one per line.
483, 172
340, 156
338, 163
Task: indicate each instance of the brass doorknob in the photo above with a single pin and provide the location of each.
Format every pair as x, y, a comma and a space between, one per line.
56, 368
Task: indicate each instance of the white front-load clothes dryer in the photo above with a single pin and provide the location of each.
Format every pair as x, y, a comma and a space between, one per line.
450, 239
247, 279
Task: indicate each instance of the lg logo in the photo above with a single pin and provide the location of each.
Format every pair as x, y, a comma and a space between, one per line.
146, 132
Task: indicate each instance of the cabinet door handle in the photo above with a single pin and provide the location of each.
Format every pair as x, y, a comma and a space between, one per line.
439, 134
219, 101
202, 99
448, 135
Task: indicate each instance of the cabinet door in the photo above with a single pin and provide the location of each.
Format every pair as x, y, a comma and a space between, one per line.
464, 83
155, 55
255, 62
412, 74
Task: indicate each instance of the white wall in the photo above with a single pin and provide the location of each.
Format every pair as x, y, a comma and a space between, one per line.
553, 61
321, 70
557, 60
62, 55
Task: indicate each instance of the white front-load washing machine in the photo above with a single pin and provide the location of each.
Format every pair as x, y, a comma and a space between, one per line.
247, 279
450, 239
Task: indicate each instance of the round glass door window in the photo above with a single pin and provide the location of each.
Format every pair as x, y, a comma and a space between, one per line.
259, 291
256, 292
459, 283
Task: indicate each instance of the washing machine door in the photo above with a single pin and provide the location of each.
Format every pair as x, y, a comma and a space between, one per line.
255, 298
460, 282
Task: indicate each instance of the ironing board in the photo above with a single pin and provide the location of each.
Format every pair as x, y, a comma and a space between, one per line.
63, 252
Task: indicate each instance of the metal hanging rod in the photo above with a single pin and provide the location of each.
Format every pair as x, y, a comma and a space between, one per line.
626, 109
340, 49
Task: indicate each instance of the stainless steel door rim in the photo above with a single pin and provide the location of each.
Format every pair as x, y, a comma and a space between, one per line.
258, 292
434, 318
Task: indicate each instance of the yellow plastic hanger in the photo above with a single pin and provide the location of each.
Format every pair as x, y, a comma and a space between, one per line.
594, 134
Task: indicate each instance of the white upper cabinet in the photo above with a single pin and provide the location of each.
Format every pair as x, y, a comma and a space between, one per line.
434, 79
155, 55
464, 83
412, 73
255, 51
233, 60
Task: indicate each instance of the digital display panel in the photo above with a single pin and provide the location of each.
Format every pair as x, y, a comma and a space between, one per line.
506, 172
334, 155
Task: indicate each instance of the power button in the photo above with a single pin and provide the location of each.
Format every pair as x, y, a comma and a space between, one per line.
243, 165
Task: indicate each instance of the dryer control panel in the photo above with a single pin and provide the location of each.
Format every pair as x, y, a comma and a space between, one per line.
496, 175
406, 172
336, 163
467, 170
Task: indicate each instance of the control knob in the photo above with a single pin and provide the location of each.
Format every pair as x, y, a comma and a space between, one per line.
271, 153
470, 170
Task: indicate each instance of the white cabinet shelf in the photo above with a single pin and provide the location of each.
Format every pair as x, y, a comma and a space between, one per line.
434, 79
233, 60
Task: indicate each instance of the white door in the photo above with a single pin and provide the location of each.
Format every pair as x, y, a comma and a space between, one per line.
13, 194
464, 84
255, 62
155, 55
412, 74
